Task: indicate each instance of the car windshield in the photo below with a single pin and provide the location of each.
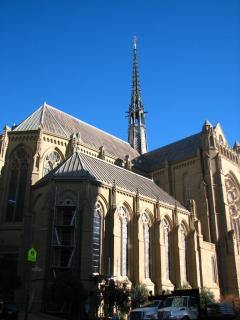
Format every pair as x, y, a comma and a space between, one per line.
11, 306
176, 302
154, 303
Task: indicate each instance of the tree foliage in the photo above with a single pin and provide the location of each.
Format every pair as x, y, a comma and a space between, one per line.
139, 295
206, 297
122, 298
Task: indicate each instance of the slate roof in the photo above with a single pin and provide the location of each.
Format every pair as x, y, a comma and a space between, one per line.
177, 151
81, 165
59, 123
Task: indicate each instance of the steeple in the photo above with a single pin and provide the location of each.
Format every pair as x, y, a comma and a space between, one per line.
136, 114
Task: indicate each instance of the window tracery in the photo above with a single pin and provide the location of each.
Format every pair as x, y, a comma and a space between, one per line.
166, 230
124, 240
183, 235
17, 185
52, 160
96, 238
147, 247
214, 269
220, 139
233, 199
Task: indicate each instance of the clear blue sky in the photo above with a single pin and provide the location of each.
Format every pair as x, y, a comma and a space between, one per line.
77, 56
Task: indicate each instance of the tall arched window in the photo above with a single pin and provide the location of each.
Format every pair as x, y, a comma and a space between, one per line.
166, 229
183, 235
235, 222
214, 269
96, 238
17, 185
124, 240
233, 199
51, 161
186, 188
147, 246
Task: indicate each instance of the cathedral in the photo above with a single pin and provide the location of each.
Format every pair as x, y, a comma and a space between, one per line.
94, 204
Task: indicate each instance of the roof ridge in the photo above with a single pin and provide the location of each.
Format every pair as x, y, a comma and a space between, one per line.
42, 114
58, 122
30, 115
116, 166
81, 160
130, 172
90, 125
167, 145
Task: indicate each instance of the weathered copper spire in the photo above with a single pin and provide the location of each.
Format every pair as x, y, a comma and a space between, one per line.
136, 126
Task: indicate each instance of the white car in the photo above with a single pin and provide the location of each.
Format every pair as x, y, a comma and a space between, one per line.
179, 308
147, 311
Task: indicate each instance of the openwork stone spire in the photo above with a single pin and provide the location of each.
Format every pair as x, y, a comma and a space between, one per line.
136, 117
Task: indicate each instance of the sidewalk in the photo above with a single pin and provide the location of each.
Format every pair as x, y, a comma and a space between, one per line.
38, 316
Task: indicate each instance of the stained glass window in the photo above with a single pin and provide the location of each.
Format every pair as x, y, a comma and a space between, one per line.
52, 160
166, 230
96, 238
214, 269
233, 199
17, 185
183, 234
147, 247
124, 240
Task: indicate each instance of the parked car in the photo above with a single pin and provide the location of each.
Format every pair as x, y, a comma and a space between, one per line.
147, 311
220, 311
10, 311
179, 308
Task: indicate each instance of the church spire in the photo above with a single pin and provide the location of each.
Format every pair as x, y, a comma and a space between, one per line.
136, 117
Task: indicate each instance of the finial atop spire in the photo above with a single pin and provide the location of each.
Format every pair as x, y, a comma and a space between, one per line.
135, 42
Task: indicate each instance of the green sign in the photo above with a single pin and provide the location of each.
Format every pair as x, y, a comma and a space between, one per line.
32, 255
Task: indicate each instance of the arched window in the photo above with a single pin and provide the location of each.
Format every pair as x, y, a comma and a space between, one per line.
166, 229
96, 238
147, 246
183, 235
214, 269
124, 240
52, 160
233, 199
186, 188
235, 222
17, 185
220, 139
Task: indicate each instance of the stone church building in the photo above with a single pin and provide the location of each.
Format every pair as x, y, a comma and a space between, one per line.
90, 202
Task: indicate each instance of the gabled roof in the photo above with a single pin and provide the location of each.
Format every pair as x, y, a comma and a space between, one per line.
81, 165
177, 151
59, 123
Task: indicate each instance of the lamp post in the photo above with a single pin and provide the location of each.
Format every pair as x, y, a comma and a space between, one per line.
31, 258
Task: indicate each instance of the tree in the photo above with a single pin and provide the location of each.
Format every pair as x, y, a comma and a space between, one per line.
206, 297
139, 295
122, 299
